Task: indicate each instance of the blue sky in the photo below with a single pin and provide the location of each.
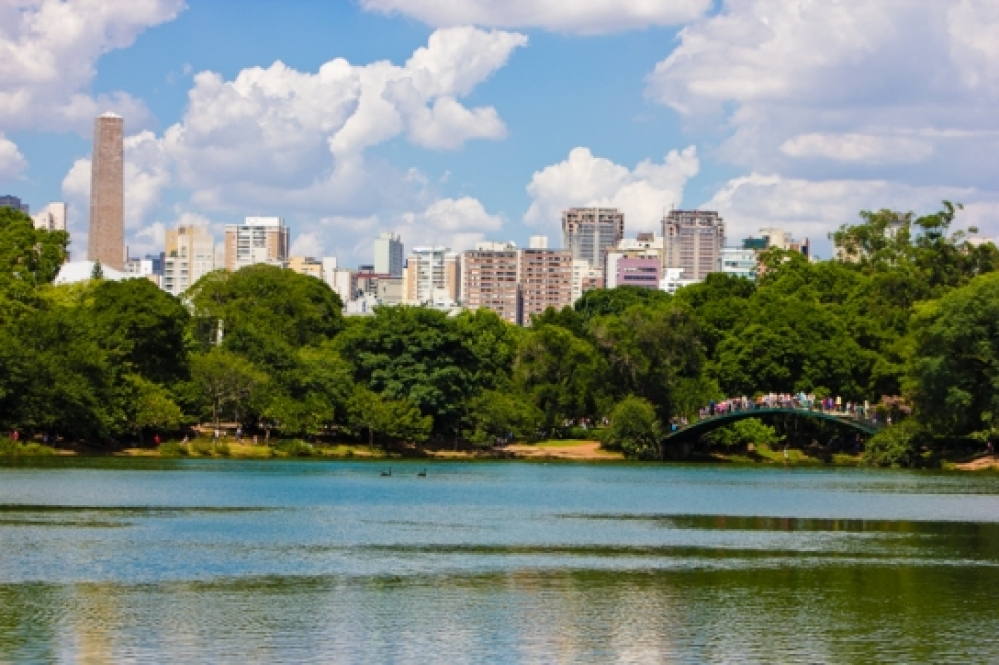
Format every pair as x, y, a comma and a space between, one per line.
775, 113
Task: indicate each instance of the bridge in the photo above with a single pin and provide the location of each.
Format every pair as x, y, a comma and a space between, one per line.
695, 430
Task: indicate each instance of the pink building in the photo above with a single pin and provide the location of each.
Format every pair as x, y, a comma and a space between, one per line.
643, 272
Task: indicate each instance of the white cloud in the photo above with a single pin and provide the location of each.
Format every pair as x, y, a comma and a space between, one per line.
12, 162
858, 148
576, 16
149, 240
454, 223
308, 244
48, 52
858, 83
583, 180
813, 209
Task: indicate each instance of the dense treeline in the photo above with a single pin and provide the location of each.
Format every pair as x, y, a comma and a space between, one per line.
914, 311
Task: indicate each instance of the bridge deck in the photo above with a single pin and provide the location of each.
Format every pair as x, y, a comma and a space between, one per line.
714, 422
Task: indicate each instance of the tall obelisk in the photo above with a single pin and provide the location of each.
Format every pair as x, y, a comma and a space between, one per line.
106, 242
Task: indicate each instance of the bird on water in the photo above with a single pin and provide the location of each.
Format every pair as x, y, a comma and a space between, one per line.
387, 474
422, 474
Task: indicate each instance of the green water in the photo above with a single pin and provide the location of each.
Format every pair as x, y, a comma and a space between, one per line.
218, 561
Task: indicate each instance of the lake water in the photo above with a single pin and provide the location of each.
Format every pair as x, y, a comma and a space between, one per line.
224, 561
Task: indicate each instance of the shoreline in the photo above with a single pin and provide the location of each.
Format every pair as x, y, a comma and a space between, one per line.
546, 451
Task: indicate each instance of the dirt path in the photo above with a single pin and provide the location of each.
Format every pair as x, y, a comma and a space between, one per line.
980, 464
583, 451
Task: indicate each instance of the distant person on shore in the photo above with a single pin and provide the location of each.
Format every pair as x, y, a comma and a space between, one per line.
156, 440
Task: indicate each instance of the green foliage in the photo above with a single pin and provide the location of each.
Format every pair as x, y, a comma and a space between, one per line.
895, 446
560, 373
635, 430
744, 432
384, 418
226, 380
9, 448
295, 448
97, 272
497, 414
953, 373
152, 408
172, 449
604, 302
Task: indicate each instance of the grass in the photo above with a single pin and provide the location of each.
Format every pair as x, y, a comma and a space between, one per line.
10, 448
561, 443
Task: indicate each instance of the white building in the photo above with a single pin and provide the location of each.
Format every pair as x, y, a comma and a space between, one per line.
52, 217
81, 271
538, 242
432, 276
585, 278
673, 280
189, 256
388, 254
739, 261
257, 240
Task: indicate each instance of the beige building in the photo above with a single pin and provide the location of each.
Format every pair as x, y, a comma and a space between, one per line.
391, 291
257, 240
587, 233
189, 255
106, 236
693, 242
52, 217
431, 277
305, 265
489, 279
545, 277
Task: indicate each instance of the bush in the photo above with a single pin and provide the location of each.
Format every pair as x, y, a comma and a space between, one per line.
172, 449
202, 447
895, 446
635, 429
743, 433
10, 448
295, 448
222, 448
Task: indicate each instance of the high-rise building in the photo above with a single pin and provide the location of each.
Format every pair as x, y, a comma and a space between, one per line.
431, 277
545, 277
489, 279
106, 238
52, 217
692, 243
638, 271
257, 240
8, 201
780, 239
388, 254
150, 267
189, 255
739, 262
587, 233
645, 246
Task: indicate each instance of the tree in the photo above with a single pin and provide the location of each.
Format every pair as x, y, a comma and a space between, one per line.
601, 302
152, 407
952, 377
388, 418
496, 414
560, 373
744, 432
97, 272
226, 379
143, 327
635, 429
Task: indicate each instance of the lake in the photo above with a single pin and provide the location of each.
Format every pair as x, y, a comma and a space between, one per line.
110, 560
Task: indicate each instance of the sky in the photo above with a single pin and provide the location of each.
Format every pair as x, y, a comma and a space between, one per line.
454, 121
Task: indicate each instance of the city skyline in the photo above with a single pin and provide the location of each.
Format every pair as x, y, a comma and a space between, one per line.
494, 136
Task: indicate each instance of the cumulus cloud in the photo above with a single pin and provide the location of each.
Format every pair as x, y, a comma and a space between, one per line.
577, 16
48, 51
454, 223
583, 180
813, 209
12, 162
792, 82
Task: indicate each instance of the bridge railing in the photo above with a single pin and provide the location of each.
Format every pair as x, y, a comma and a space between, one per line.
861, 416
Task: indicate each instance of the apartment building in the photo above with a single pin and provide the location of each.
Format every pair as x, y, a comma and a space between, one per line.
545, 277
489, 279
389, 254
432, 277
52, 217
189, 255
306, 265
585, 278
692, 243
257, 240
587, 233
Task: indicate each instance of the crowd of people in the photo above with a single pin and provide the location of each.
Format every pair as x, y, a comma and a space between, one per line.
800, 401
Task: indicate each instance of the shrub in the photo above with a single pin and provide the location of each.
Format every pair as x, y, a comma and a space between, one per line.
172, 449
202, 447
743, 433
295, 448
895, 446
10, 448
635, 429
222, 448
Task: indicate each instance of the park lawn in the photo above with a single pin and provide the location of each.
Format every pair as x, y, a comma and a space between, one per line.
561, 443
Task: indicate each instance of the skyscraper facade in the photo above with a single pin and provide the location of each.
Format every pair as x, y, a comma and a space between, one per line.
587, 233
489, 280
545, 277
693, 241
106, 239
432, 276
388, 254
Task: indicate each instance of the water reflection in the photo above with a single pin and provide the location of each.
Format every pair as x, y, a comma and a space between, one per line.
494, 563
